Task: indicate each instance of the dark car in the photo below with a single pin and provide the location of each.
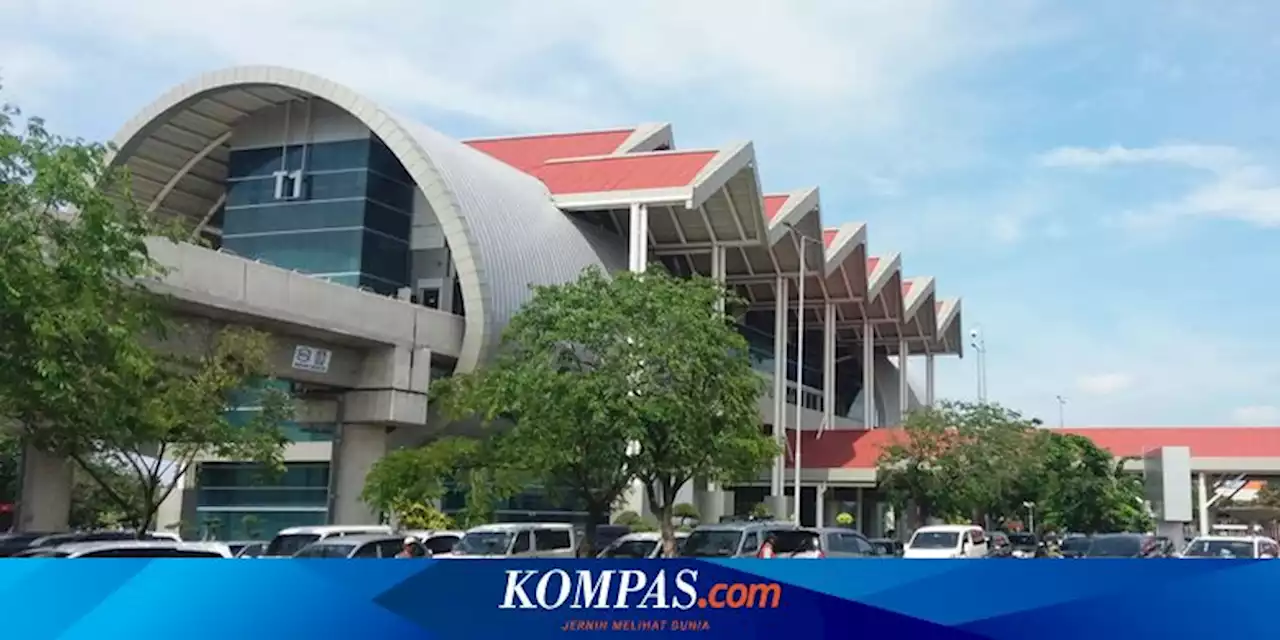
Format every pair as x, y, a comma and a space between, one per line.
1074, 545
1124, 545
888, 547
998, 545
14, 543
1025, 545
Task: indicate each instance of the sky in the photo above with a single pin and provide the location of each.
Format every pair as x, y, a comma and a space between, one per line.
1098, 180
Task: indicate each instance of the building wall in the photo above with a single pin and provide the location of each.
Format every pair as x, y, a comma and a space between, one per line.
349, 216
243, 501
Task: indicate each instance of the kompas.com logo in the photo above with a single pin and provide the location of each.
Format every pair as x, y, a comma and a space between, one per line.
631, 589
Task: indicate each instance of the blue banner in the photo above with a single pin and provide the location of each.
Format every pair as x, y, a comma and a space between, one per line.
792, 599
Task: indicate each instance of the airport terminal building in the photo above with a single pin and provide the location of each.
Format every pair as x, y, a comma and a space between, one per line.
381, 254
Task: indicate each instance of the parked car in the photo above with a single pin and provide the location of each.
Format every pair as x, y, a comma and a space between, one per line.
838, 542
1074, 545
13, 543
362, 545
292, 540
998, 545
1025, 545
518, 540
250, 550
438, 542
888, 546
646, 544
731, 539
607, 533
947, 541
131, 549
1227, 547
1124, 545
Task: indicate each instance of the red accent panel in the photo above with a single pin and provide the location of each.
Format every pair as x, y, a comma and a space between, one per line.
861, 449
906, 288
529, 152
872, 263
772, 205
623, 173
829, 237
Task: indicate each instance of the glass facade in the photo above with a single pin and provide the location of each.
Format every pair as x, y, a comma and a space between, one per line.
241, 410
348, 219
757, 328
244, 501
531, 505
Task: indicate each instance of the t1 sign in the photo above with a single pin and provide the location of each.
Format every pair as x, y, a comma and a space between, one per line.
313, 359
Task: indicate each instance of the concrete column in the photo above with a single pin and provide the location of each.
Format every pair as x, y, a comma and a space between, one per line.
904, 387
928, 380
859, 514
45, 500
777, 484
710, 500
868, 375
1203, 502
820, 505
355, 451
169, 513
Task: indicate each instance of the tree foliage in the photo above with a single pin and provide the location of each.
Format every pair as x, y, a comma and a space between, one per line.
970, 462
406, 481
93, 368
604, 380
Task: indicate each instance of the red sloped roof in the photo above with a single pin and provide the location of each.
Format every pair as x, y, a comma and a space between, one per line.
872, 263
906, 288
1205, 442
829, 237
773, 204
860, 448
529, 152
627, 172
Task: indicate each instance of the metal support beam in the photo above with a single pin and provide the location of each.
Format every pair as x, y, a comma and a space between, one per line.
779, 393
868, 376
638, 234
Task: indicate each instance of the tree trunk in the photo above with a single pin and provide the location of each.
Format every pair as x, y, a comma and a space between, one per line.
668, 529
588, 547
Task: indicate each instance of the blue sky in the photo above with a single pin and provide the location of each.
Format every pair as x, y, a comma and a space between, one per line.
1100, 181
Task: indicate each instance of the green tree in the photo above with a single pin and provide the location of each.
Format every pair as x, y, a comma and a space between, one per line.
93, 367
686, 513
1084, 488
404, 481
682, 382
761, 511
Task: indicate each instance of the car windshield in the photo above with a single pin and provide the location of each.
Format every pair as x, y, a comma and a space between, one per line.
485, 543
790, 542
630, 549
1022, 540
1202, 548
710, 543
885, 546
322, 550
289, 544
935, 540
1115, 547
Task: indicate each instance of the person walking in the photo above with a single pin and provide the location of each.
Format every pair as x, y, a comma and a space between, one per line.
409, 549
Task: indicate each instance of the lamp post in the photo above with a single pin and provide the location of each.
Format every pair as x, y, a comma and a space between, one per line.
979, 345
1062, 412
800, 246
1031, 516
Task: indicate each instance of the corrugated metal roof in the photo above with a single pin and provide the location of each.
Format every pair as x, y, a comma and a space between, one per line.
532, 151
630, 172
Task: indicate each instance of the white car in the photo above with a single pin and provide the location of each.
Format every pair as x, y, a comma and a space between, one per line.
1231, 547
132, 549
290, 541
947, 541
644, 544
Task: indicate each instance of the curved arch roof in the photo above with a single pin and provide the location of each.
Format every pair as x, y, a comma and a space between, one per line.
503, 229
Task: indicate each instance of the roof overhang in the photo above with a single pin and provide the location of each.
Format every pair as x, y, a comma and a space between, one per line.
918, 330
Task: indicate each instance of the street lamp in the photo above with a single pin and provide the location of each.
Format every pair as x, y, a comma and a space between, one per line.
979, 346
800, 246
1062, 420
1031, 515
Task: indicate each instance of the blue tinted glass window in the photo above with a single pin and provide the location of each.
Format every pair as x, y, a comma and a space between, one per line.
389, 221
243, 163
382, 160
246, 474
346, 154
386, 258
248, 523
329, 186
390, 192
251, 191
314, 252
295, 216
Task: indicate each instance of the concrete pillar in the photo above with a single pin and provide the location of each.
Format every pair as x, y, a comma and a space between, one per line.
355, 451
711, 501
169, 513
45, 500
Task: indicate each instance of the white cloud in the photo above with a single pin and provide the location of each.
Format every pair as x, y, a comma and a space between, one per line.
1234, 187
1104, 384
571, 62
1257, 416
